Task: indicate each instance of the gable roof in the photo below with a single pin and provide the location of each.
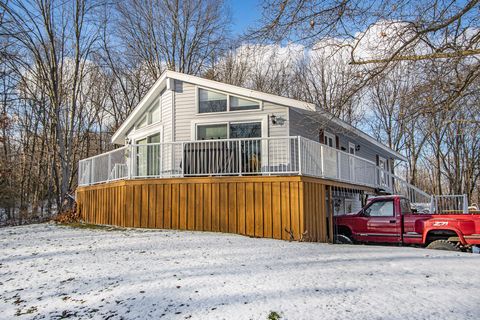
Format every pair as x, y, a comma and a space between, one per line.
162, 83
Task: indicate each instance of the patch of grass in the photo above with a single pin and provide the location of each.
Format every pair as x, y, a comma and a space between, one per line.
28, 311
81, 225
273, 315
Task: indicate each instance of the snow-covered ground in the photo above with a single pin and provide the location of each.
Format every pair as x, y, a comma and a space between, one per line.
50, 272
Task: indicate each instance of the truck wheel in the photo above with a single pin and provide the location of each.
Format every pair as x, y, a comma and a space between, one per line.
443, 245
342, 239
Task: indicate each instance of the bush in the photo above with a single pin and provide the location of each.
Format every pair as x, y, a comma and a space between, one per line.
67, 216
273, 316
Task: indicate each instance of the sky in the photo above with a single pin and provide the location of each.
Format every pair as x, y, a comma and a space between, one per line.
244, 13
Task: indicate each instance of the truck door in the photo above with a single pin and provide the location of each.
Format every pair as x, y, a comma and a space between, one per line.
382, 224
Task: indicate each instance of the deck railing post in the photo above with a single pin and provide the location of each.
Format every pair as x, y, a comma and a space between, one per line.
133, 161
93, 172
299, 151
182, 160
239, 157
160, 159
90, 172
109, 166
338, 165
322, 160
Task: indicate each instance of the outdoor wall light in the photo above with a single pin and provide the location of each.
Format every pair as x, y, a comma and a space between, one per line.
277, 120
357, 148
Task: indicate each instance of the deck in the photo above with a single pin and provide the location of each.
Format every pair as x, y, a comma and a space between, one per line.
278, 207
282, 188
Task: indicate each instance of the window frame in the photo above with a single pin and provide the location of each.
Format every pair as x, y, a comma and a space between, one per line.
211, 124
228, 123
381, 201
156, 103
328, 135
197, 102
351, 146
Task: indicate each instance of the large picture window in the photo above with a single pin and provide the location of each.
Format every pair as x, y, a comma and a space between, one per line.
212, 101
212, 131
230, 130
238, 104
246, 130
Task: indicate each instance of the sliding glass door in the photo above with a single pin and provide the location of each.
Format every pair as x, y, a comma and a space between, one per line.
250, 150
148, 156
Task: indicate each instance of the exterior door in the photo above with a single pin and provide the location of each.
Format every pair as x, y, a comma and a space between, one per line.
250, 150
148, 156
329, 140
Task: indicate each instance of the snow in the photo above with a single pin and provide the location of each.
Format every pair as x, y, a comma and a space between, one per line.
49, 271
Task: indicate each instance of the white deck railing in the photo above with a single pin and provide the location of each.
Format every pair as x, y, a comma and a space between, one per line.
240, 157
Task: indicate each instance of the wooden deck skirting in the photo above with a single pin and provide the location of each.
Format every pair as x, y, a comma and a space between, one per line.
279, 207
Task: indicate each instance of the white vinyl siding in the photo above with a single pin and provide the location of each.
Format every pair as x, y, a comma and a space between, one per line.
167, 115
305, 125
186, 112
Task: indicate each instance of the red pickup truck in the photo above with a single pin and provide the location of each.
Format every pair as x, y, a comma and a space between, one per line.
390, 219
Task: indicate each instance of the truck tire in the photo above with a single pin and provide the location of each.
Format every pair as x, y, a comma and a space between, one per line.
443, 245
342, 239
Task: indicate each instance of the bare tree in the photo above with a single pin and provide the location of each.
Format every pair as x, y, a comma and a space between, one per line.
184, 36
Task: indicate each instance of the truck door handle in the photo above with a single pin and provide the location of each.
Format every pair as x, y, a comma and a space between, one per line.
393, 221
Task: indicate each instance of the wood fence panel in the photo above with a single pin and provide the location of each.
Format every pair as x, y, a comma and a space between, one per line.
232, 207
267, 210
241, 208
207, 206
271, 207
258, 200
197, 211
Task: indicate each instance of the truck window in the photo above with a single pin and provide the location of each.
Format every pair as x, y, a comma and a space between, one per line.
380, 209
405, 206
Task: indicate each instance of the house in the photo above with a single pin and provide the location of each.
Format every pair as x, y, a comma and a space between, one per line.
193, 133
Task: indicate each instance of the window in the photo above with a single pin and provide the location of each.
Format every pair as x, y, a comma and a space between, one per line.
152, 115
405, 206
246, 130
210, 101
380, 209
351, 148
142, 123
155, 113
238, 104
329, 140
229, 130
212, 131
383, 176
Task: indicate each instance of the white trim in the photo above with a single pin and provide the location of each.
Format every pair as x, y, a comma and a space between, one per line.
194, 129
327, 134
352, 145
382, 159
146, 132
225, 119
137, 111
229, 95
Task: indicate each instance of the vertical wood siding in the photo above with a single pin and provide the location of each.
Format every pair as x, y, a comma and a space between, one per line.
267, 207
